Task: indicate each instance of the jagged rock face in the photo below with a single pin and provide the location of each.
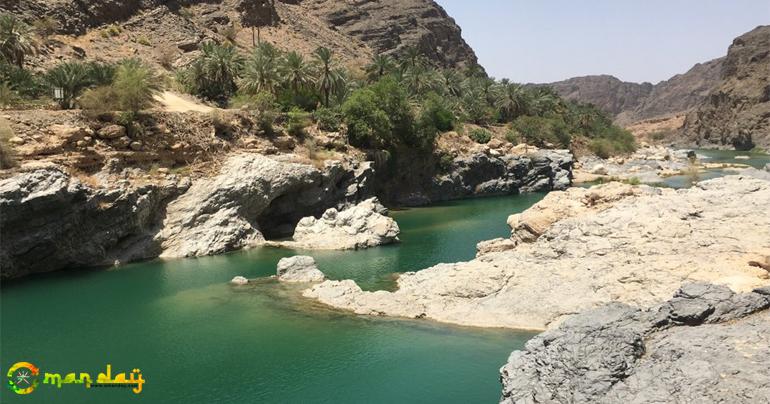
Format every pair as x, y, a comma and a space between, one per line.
737, 112
357, 227
582, 248
391, 26
677, 94
51, 221
606, 92
482, 174
707, 344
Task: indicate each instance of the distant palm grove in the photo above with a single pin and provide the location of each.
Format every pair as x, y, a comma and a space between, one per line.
393, 102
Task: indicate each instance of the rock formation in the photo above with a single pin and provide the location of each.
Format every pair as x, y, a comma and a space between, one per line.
239, 280
481, 174
737, 111
391, 27
50, 220
634, 245
707, 344
608, 93
299, 269
360, 226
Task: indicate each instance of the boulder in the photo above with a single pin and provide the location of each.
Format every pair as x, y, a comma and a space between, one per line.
702, 345
599, 169
360, 226
299, 268
111, 132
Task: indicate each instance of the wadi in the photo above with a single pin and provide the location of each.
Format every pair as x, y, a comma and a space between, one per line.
321, 201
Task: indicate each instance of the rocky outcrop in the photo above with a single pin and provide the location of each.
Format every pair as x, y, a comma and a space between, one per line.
239, 281
391, 27
299, 269
357, 227
707, 344
608, 93
737, 111
482, 174
648, 165
634, 245
50, 220
230, 211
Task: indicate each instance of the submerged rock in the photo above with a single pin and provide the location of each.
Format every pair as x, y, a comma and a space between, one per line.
298, 269
615, 242
707, 344
360, 226
239, 280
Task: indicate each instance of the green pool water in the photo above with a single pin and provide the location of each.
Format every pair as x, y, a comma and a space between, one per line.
196, 339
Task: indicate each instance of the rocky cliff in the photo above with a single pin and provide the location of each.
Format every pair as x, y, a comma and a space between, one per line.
50, 220
162, 29
632, 102
707, 344
737, 111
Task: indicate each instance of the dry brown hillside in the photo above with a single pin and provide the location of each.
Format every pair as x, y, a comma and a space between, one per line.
168, 31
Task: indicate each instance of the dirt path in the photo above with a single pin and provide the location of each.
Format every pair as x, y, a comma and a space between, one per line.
173, 102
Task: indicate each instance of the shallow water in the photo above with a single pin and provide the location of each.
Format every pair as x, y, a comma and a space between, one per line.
197, 339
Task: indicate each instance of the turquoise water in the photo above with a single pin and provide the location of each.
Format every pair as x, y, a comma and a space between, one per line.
197, 339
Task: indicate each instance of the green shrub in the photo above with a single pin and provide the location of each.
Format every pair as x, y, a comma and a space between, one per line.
602, 148
479, 135
72, 78
379, 116
327, 119
297, 121
262, 106
101, 74
7, 154
445, 162
135, 85
21, 81
437, 112
8, 96
111, 30
541, 131
513, 136
143, 40
99, 100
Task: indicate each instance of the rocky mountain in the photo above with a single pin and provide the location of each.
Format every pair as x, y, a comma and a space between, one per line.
606, 92
170, 29
737, 110
633, 102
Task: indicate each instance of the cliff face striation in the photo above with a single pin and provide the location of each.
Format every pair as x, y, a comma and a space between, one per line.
392, 26
706, 344
737, 111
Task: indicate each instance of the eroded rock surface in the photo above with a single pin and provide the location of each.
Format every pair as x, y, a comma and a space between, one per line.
636, 249
364, 225
50, 220
706, 345
298, 269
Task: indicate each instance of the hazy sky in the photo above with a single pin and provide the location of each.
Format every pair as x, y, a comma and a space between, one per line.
634, 40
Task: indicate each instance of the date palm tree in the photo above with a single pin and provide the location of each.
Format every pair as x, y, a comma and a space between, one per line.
513, 101
71, 78
135, 85
294, 71
260, 72
213, 74
379, 67
327, 78
15, 40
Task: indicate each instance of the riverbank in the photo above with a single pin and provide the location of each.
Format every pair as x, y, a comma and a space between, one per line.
56, 220
602, 247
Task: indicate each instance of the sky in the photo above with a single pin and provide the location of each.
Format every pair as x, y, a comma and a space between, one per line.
540, 41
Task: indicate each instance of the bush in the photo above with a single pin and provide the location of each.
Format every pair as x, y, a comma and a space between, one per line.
481, 136
135, 85
143, 40
436, 111
542, 131
297, 121
8, 96
7, 155
379, 116
111, 30
512, 136
327, 119
72, 78
98, 101
21, 81
262, 106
